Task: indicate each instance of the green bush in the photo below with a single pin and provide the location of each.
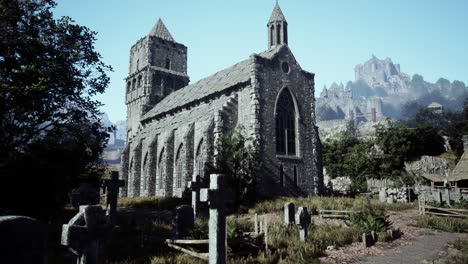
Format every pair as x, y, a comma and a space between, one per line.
370, 221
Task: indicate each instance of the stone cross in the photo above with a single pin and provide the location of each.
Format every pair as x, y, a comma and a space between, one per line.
303, 221
289, 209
215, 196
22, 240
84, 231
112, 187
195, 185
183, 221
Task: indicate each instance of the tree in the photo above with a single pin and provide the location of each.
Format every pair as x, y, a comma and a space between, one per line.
50, 131
237, 158
49, 72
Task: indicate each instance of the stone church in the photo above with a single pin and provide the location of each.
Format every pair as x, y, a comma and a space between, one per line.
172, 127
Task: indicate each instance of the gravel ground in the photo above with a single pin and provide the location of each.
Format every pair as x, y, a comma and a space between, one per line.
414, 246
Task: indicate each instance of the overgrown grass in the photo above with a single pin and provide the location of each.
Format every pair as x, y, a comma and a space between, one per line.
447, 224
328, 203
153, 203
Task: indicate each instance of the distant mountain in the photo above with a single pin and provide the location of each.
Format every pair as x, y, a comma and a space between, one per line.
112, 152
383, 80
117, 138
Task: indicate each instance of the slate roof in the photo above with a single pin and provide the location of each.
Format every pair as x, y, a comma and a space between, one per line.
277, 14
461, 170
160, 30
217, 82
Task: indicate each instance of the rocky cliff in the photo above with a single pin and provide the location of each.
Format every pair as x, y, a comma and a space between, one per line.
383, 80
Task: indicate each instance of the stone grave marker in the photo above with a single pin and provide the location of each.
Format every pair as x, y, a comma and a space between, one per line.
183, 221
303, 220
289, 210
112, 187
85, 194
84, 231
22, 240
195, 185
215, 196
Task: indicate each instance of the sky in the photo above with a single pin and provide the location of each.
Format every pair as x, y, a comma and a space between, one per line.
328, 38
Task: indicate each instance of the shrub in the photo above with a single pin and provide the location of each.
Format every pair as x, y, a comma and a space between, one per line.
370, 221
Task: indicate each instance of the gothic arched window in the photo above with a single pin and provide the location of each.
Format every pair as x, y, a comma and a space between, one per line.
281, 172
179, 167
278, 34
144, 177
168, 63
200, 160
295, 176
285, 124
161, 170
272, 36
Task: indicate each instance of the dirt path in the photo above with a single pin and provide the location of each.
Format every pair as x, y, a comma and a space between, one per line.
415, 245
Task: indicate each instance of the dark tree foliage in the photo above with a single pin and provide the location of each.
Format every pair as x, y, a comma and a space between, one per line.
382, 156
238, 159
50, 131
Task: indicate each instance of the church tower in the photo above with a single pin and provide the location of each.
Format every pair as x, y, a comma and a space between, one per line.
158, 66
277, 28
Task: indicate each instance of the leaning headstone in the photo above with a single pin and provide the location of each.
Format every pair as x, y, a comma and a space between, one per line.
112, 187
183, 221
256, 224
195, 186
303, 220
374, 236
383, 195
289, 210
85, 194
84, 231
215, 196
22, 240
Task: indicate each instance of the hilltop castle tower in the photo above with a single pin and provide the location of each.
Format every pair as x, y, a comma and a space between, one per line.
158, 66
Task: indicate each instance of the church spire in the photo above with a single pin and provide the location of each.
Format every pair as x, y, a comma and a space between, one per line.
160, 30
277, 28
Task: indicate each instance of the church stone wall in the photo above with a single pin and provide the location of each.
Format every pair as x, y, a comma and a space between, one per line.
301, 84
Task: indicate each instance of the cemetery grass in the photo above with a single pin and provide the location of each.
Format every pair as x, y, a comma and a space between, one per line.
284, 246
447, 224
314, 204
152, 203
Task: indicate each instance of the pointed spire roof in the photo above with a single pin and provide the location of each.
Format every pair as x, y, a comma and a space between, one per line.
160, 30
277, 14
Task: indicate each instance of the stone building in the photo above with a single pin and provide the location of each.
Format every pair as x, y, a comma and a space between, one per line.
172, 127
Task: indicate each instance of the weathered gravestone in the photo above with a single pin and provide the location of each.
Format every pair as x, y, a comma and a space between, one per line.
183, 221
289, 209
215, 196
85, 194
112, 187
85, 231
22, 240
195, 185
303, 220
383, 195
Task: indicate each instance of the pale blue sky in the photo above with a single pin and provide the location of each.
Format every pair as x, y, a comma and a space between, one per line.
428, 37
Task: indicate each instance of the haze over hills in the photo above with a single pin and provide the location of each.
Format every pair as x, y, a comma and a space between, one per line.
384, 80
115, 145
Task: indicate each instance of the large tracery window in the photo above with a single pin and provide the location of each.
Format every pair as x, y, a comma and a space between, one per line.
285, 124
